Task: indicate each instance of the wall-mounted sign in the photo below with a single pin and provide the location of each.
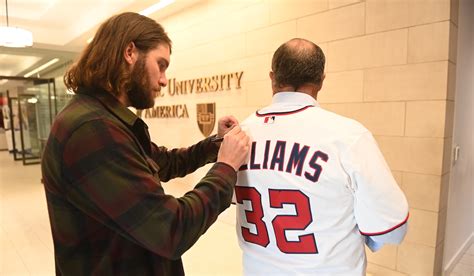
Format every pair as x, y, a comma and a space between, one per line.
165, 111
205, 112
206, 117
204, 85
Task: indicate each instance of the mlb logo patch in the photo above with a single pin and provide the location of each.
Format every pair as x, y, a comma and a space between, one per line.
269, 120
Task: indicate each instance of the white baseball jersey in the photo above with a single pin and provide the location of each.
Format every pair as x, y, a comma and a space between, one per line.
314, 186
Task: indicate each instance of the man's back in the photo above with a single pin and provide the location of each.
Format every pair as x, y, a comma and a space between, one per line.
306, 192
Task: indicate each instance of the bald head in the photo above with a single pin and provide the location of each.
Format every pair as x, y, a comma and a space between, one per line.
298, 62
300, 44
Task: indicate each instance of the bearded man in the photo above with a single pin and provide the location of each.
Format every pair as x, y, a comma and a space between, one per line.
102, 174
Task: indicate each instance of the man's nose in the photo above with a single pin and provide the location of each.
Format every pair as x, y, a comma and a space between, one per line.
163, 80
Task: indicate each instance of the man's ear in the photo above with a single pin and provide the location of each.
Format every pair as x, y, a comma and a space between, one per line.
319, 87
322, 80
272, 77
131, 53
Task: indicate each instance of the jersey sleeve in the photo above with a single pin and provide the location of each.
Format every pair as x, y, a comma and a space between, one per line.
379, 204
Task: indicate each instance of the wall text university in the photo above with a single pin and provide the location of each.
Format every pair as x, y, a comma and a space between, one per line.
214, 83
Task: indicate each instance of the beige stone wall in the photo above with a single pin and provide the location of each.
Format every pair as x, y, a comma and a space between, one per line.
390, 65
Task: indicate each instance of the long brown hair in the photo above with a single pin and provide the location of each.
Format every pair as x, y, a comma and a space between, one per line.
102, 63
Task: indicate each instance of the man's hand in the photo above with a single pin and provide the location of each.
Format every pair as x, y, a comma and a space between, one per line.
225, 124
234, 148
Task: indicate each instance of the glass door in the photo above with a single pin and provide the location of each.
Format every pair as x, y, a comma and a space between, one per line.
13, 134
38, 107
46, 107
32, 105
31, 146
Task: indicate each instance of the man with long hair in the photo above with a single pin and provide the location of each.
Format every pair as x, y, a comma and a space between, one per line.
316, 186
108, 211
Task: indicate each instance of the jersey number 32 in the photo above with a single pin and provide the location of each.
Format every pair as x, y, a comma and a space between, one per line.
306, 244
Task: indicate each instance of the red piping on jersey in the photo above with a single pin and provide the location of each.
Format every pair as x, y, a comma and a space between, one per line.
283, 113
386, 231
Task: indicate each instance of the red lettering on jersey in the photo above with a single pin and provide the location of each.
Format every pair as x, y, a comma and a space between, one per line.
306, 243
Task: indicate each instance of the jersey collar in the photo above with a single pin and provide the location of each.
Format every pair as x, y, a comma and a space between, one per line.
293, 98
288, 103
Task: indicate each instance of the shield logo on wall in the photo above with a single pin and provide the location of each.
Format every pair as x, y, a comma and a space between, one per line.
206, 117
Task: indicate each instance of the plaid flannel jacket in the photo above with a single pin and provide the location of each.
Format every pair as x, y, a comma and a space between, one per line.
108, 211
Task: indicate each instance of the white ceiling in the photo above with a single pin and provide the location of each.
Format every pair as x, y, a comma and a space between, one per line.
61, 27
12, 64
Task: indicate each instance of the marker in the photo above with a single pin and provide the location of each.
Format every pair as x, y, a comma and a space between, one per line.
216, 139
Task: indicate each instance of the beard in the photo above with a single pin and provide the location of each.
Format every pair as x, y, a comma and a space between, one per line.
141, 94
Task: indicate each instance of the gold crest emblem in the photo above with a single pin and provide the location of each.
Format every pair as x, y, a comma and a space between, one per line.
206, 117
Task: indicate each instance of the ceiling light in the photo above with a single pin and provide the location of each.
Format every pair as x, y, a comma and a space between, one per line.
14, 37
42, 67
158, 6
32, 100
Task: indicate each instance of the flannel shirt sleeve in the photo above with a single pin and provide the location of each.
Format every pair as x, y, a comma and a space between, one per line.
110, 180
182, 161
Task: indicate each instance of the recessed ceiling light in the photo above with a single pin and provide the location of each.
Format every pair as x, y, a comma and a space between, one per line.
158, 6
42, 67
